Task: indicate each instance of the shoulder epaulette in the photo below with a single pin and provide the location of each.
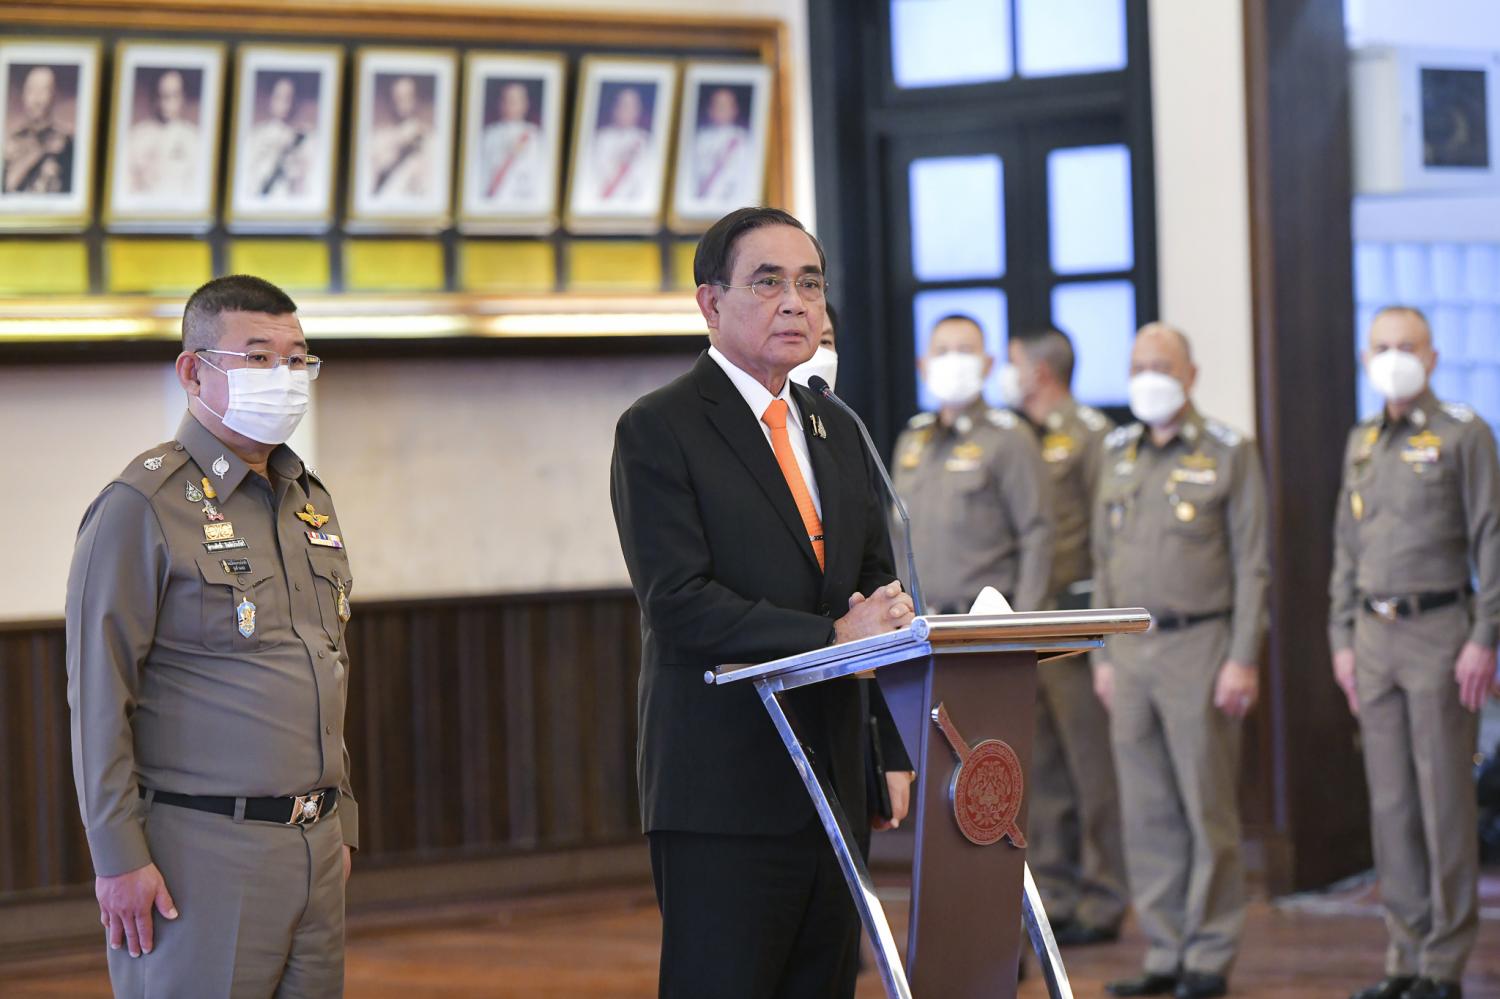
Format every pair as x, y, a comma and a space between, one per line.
921, 420
1223, 433
1460, 412
1121, 436
149, 470
1092, 418
1001, 418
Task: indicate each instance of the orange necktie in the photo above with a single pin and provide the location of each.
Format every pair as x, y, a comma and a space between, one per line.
775, 418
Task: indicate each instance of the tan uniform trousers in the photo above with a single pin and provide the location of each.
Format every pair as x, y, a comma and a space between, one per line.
1419, 744
260, 911
1073, 813
1177, 757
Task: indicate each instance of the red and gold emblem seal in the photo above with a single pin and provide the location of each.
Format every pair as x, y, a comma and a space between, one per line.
987, 787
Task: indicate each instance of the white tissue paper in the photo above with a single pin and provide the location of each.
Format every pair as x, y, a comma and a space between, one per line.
990, 601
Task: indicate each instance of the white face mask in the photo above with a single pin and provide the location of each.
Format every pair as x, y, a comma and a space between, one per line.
265, 404
1397, 375
1155, 398
1011, 389
824, 364
955, 378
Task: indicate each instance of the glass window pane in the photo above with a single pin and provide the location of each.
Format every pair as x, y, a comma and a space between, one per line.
987, 307
1070, 36
1088, 209
1100, 317
957, 218
938, 43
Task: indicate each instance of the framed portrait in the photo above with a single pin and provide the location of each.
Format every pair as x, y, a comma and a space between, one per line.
49, 104
402, 167
285, 138
621, 134
164, 136
721, 143
512, 138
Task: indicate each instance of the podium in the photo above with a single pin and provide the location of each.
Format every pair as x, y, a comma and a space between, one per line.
962, 690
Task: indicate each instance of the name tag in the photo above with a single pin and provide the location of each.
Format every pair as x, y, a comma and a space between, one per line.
1421, 455
235, 565
1195, 476
224, 546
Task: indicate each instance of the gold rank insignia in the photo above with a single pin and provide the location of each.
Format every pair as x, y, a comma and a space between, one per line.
968, 451
208, 489
310, 516
222, 531
1057, 447
1357, 505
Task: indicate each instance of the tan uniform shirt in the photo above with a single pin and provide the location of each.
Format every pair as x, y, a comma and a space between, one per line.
1181, 529
978, 496
1072, 440
1419, 512
205, 656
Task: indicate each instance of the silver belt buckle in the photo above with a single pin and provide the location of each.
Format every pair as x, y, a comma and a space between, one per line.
306, 808
1385, 608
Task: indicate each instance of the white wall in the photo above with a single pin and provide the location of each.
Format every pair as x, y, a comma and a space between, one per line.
452, 476
1202, 195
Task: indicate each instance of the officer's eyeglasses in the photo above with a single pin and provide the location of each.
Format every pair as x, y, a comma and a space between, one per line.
268, 359
810, 287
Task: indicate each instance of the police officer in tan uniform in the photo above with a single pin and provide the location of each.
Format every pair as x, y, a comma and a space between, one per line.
207, 674
1414, 647
1180, 529
974, 484
1074, 814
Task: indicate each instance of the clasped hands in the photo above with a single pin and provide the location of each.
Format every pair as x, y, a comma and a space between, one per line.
886, 609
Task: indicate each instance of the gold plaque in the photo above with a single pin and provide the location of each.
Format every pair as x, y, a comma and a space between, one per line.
507, 266
393, 265
611, 266
218, 532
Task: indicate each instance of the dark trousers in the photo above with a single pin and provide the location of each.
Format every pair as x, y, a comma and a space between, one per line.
753, 917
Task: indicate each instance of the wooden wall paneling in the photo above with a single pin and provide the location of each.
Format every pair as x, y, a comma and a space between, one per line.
1297, 94
561, 688
518, 648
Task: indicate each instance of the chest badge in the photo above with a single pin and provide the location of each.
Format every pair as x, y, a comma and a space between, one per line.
221, 531
1057, 447
312, 517
194, 494
154, 464
221, 466
322, 540
244, 616
211, 512
1357, 505
342, 603
1423, 449
1185, 511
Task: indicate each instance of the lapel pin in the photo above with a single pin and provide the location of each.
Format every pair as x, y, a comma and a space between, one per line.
817, 426
221, 466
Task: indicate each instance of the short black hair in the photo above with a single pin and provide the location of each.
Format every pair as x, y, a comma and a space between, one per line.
232, 293
962, 317
714, 259
1051, 347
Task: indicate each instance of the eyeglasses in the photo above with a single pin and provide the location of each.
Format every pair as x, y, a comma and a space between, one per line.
266, 360
810, 287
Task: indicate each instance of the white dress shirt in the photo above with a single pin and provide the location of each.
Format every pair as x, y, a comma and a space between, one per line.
757, 398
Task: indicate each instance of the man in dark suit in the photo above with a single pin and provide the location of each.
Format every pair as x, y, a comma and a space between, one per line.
752, 529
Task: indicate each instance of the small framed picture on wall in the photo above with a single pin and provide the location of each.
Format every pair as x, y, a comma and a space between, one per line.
721, 144
164, 136
285, 139
402, 162
49, 107
512, 141
622, 131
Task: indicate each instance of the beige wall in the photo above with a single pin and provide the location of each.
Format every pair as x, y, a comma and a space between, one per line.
490, 475
1202, 195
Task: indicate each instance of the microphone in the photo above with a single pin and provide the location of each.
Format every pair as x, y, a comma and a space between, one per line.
820, 385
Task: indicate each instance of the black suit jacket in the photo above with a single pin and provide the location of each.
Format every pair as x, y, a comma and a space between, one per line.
724, 573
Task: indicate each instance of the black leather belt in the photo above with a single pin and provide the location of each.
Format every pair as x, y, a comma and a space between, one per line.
1174, 622
298, 810
1412, 604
